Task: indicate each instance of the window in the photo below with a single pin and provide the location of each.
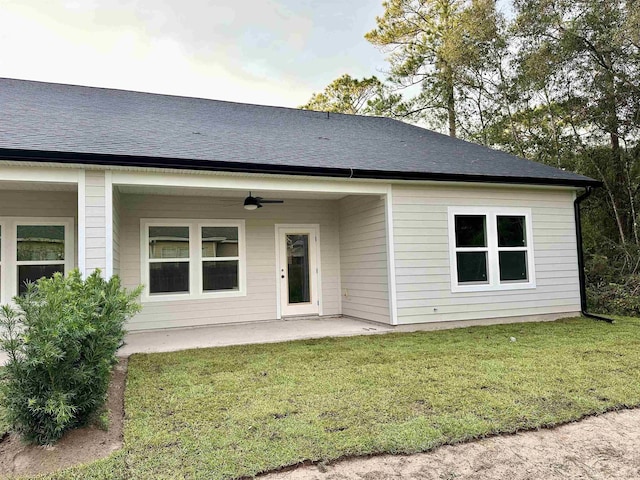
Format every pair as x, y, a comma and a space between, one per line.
168, 259
32, 248
512, 248
220, 258
192, 259
471, 248
491, 249
40, 252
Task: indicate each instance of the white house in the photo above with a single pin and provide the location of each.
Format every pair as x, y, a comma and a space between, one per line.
379, 220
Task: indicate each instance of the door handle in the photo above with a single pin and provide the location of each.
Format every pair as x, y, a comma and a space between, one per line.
281, 276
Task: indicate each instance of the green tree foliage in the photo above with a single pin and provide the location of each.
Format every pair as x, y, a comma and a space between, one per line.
578, 74
577, 59
346, 94
61, 342
445, 46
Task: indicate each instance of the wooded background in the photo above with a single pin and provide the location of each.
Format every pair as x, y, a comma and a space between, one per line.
555, 81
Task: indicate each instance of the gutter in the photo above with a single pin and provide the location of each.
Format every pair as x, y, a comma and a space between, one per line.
581, 274
220, 166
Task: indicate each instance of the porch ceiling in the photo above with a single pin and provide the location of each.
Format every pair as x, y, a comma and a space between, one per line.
227, 193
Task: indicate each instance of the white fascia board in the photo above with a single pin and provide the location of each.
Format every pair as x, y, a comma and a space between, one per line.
484, 185
123, 169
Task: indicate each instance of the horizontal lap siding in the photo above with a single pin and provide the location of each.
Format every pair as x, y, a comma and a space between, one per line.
95, 228
363, 258
422, 254
260, 302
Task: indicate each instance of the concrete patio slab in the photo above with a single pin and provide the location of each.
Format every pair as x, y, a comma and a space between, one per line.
169, 340
247, 333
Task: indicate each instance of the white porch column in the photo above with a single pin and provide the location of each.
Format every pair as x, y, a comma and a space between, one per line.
94, 222
391, 256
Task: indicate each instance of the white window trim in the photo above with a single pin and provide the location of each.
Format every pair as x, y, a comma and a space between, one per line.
196, 291
9, 255
493, 263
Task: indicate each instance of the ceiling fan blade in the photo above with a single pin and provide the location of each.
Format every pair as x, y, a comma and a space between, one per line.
251, 202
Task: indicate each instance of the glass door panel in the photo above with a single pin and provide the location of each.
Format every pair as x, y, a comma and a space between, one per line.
298, 268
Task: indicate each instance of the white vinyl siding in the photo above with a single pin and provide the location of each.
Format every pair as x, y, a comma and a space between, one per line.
37, 203
260, 302
95, 218
116, 231
363, 258
422, 254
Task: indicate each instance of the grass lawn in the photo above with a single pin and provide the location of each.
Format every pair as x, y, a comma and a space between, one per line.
236, 411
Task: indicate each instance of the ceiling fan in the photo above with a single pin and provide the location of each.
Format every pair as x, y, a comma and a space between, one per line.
252, 203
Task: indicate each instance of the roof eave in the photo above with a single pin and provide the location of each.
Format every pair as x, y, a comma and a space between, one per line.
212, 165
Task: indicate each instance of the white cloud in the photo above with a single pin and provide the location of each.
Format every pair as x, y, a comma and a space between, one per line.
266, 52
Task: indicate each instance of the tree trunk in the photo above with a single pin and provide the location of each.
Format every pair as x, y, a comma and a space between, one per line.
554, 123
506, 105
614, 206
613, 127
451, 101
632, 205
607, 188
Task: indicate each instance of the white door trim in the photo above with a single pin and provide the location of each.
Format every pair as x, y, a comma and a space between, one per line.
316, 277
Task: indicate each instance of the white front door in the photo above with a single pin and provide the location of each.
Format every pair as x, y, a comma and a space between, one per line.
298, 270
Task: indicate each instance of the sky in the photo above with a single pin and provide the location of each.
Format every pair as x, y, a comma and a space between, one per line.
271, 52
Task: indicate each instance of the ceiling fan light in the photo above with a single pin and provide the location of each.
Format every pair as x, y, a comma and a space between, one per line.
250, 203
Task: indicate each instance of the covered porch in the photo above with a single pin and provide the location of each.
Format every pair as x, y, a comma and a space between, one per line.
205, 259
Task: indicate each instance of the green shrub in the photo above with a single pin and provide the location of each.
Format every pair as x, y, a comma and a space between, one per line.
621, 298
613, 280
61, 340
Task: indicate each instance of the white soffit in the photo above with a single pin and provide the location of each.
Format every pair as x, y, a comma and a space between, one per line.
226, 193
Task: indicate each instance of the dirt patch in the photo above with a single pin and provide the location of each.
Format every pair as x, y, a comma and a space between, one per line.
76, 447
603, 447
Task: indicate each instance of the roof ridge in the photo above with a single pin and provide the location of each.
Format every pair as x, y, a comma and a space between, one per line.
186, 97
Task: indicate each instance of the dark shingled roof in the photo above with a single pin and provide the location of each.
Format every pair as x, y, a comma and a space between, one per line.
45, 121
